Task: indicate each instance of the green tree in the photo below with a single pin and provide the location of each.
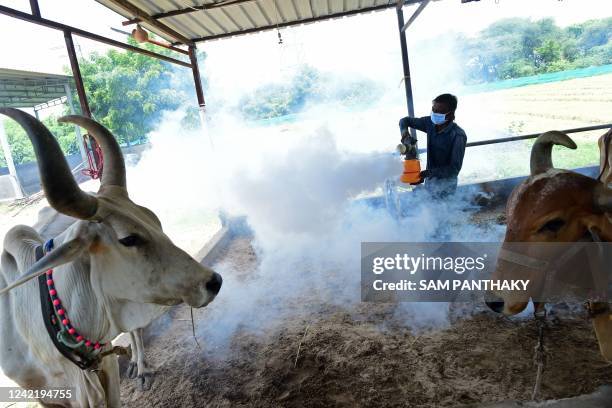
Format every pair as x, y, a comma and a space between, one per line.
549, 52
21, 148
128, 92
515, 47
307, 85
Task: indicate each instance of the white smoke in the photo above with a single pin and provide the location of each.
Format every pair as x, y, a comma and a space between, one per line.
299, 186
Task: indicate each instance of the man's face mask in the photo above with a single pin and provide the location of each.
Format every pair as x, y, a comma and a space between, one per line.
438, 118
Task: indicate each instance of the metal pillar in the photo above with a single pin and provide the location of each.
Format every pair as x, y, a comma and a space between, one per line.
199, 91
80, 87
8, 157
77, 129
405, 65
35, 8
76, 73
198, 83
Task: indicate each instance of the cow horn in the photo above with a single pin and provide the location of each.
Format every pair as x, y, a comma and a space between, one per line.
61, 189
603, 198
113, 173
541, 152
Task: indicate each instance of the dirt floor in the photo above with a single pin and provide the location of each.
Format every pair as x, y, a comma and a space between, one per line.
368, 356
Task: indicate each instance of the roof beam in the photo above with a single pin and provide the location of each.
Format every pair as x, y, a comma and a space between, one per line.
226, 3
414, 16
86, 34
188, 10
146, 18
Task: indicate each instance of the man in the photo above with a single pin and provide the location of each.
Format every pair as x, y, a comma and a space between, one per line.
445, 144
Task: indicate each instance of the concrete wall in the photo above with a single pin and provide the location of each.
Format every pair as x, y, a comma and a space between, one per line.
28, 174
8, 187
30, 180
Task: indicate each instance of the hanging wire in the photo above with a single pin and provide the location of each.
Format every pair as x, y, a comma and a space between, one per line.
280, 38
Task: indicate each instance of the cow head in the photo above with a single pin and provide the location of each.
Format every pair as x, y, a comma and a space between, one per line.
130, 257
553, 206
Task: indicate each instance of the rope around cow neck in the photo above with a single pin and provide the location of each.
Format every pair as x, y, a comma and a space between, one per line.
539, 357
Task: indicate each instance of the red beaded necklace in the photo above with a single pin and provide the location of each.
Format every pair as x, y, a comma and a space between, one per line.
65, 321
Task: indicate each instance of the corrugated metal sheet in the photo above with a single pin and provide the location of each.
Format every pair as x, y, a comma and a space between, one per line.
244, 16
25, 89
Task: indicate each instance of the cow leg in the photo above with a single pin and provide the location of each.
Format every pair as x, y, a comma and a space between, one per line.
132, 368
145, 375
109, 377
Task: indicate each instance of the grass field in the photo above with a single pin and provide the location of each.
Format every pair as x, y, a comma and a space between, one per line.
536, 108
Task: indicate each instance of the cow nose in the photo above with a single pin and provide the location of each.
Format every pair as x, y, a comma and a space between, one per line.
214, 284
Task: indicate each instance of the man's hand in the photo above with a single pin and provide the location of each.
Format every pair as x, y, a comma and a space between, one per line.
422, 176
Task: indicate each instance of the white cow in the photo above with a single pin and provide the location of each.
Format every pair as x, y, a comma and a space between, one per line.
50, 224
114, 271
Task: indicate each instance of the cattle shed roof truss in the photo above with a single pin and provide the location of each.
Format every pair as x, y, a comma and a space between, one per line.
25, 89
180, 20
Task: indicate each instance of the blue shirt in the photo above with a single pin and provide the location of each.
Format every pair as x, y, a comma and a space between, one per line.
445, 150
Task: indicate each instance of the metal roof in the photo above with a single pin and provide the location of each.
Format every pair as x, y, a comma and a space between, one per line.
25, 89
180, 20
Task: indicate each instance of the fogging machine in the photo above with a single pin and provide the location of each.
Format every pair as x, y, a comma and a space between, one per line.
412, 165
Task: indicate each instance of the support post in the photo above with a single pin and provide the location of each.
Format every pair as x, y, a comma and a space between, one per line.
198, 84
76, 73
405, 65
35, 8
196, 76
80, 87
77, 129
8, 157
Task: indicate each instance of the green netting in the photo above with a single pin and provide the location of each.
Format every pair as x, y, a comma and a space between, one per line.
539, 79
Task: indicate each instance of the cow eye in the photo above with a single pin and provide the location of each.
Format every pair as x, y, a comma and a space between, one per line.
132, 240
553, 225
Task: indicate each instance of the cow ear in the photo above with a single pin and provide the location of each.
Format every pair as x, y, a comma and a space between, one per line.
598, 227
61, 255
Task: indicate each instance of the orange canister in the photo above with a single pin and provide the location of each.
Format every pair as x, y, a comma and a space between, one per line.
412, 170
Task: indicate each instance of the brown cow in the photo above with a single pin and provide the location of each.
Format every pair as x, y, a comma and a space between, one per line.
554, 205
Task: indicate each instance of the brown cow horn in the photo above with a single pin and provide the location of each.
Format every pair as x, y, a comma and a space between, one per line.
603, 198
541, 152
113, 173
61, 189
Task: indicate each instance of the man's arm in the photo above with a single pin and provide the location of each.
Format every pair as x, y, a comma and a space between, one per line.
417, 123
457, 153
